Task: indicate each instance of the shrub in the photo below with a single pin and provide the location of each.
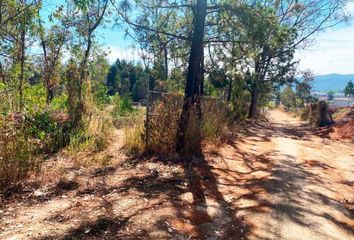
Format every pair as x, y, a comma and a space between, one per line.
34, 98
131, 119
122, 105
100, 95
17, 152
5, 100
239, 101
164, 115
304, 114
214, 125
59, 102
133, 142
53, 134
94, 135
216, 119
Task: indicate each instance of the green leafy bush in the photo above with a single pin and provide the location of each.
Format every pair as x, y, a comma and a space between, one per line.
34, 98
59, 102
54, 135
122, 105
100, 95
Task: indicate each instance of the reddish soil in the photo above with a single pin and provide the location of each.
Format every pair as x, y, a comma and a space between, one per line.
343, 129
275, 181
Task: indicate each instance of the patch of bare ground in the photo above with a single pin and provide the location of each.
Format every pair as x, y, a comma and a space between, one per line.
343, 129
275, 181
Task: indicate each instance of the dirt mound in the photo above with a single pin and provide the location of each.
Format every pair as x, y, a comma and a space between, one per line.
343, 129
340, 113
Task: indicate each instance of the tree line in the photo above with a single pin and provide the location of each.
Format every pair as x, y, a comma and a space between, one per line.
241, 50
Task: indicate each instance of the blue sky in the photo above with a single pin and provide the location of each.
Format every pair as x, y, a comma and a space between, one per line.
332, 51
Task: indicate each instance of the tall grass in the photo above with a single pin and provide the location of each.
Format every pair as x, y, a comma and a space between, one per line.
17, 152
214, 126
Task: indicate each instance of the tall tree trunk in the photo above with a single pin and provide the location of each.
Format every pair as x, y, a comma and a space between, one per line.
50, 92
202, 74
79, 109
254, 101
192, 89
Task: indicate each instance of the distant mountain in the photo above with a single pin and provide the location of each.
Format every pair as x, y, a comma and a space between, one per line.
331, 82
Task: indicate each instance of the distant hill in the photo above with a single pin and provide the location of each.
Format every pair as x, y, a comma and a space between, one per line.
331, 82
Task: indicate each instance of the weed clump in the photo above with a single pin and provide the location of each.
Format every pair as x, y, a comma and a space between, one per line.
18, 151
212, 124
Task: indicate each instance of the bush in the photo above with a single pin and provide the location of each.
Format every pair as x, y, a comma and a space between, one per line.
122, 105
94, 135
163, 124
163, 121
304, 114
100, 95
17, 151
54, 135
34, 98
131, 119
133, 142
319, 115
59, 102
216, 119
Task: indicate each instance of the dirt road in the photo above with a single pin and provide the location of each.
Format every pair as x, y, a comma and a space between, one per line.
306, 184
274, 181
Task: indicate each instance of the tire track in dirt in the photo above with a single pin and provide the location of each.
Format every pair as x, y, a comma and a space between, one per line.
308, 186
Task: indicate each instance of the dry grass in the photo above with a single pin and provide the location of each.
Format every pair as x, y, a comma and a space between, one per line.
163, 124
93, 138
215, 127
133, 139
217, 123
17, 153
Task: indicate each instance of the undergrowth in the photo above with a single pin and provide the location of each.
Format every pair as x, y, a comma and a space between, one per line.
214, 126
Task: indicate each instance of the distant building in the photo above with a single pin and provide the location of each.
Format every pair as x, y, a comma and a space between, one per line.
339, 99
341, 102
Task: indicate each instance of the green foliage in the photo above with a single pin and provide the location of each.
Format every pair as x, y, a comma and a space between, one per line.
6, 100
303, 88
127, 77
59, 102
34, 98
349, 89
100, 95
41, 125
330, 95
93, 136
176, 80
239, 99
122, 105
288, 98
52, 134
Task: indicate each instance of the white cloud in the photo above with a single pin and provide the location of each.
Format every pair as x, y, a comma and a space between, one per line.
130, 54
350, 7
333, 51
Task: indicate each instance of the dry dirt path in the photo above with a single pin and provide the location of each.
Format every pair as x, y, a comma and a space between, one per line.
306, 185
275, 181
